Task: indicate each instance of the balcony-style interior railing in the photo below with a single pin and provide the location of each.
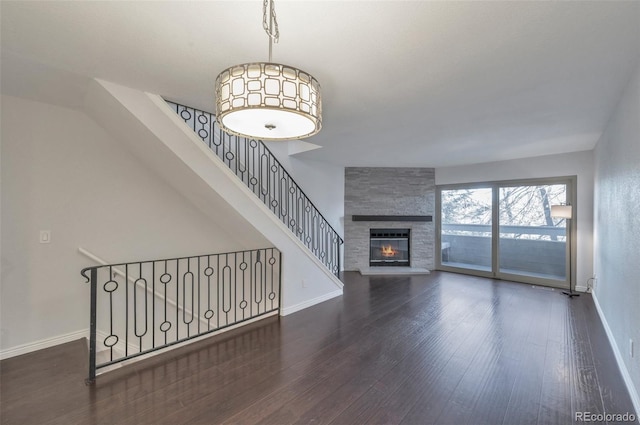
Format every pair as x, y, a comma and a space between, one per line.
141, 307
261, 172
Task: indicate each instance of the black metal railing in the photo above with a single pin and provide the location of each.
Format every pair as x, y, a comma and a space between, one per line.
261, 172
141, 307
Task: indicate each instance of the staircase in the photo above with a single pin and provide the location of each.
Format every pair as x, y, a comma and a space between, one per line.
233, 180
255, 165
142, 307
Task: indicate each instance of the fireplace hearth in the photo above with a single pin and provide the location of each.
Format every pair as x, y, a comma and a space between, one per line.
389, 247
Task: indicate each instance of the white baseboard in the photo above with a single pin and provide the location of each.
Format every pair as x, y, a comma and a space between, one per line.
43, 343
305, 304
635, 398
100, 336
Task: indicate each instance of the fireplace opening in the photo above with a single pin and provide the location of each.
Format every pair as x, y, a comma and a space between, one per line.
389, 247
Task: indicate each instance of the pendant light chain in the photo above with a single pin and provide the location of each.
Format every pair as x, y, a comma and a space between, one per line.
273, 33
271, 27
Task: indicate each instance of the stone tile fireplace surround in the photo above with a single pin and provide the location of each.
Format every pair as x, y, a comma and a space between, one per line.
381, 191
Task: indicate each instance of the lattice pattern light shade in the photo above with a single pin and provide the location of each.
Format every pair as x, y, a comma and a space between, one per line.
268, 101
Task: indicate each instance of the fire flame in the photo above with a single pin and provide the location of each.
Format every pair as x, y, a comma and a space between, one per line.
387, 251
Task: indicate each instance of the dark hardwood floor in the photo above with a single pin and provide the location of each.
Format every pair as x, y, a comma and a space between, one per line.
437, 349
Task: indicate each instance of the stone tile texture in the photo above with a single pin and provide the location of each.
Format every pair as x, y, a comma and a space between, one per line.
388, 191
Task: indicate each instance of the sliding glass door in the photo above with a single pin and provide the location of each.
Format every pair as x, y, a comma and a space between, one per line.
506, 230
532, 243
467, 228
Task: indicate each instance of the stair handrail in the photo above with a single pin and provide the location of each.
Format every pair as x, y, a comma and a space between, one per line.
208, 130
301, 191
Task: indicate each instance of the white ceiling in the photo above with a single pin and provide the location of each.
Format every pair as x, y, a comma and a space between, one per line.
405, 83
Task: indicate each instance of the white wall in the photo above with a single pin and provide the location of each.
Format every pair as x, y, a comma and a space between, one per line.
62, 172
579, 164
617, 230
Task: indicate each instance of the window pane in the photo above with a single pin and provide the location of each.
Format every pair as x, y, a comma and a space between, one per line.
466, 228
532, 243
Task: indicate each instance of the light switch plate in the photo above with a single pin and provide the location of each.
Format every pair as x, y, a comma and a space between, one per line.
45, 236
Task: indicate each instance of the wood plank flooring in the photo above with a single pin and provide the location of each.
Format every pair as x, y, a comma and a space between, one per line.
436, 349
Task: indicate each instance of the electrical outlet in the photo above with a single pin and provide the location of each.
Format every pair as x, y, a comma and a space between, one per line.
631, 347
304, 283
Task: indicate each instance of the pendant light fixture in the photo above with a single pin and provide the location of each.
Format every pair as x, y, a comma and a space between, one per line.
266, 100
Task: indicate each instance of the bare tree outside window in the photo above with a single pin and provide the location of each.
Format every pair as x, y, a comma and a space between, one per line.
529, 207
521, 206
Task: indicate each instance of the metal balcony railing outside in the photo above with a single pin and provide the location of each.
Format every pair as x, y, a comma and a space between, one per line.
141, 307
519, 231
254, 164
529, 250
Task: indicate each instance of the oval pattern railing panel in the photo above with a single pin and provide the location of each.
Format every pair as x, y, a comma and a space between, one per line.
261, 172
141, 307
